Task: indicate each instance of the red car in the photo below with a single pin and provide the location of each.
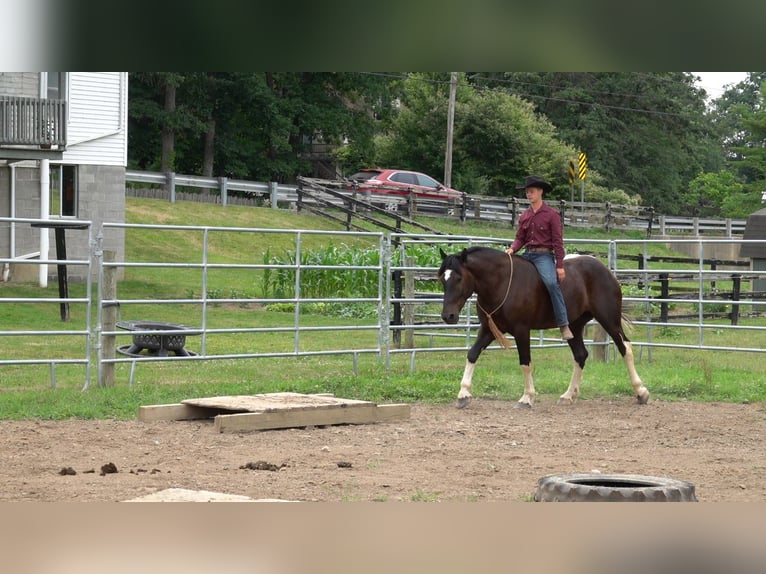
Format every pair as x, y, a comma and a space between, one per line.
398, 182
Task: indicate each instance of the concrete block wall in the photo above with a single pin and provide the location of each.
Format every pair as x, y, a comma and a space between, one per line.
101, 199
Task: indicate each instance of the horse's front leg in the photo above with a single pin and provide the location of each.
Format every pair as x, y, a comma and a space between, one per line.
483, 339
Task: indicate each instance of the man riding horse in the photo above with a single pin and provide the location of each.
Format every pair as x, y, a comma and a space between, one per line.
541, 232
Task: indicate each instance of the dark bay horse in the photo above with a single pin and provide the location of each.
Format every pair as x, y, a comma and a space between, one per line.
512, 299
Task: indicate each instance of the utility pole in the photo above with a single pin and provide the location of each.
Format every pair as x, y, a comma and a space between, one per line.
450, 126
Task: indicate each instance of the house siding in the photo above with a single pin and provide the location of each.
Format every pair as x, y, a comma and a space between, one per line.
97, 126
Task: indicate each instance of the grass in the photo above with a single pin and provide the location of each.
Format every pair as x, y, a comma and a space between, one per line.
673, 374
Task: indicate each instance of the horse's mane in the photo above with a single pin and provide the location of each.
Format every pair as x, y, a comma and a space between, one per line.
479, 248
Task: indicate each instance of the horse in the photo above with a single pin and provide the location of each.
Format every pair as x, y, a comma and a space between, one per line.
511, 298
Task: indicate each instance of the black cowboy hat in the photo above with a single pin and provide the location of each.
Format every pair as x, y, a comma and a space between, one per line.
535, 181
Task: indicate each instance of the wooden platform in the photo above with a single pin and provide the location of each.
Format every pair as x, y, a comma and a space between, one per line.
186, 495
240, 413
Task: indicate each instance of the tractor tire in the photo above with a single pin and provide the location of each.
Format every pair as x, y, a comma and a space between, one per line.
598, 487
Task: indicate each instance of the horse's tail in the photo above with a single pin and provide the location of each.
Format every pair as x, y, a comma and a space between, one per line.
626, 324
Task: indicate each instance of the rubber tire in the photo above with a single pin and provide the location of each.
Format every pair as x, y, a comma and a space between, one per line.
596, 487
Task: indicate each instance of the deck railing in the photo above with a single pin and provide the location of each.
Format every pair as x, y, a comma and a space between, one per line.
32, 121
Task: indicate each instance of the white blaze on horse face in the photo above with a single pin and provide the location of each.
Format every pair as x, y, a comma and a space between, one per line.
447, 275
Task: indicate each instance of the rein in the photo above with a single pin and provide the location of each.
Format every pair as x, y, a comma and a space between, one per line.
499, 335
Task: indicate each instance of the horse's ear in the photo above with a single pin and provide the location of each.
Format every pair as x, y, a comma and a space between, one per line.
463, 255
441, 252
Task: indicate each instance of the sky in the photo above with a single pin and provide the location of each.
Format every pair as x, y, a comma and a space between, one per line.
713, 82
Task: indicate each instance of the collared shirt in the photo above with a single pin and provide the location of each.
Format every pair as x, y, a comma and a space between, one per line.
541, 229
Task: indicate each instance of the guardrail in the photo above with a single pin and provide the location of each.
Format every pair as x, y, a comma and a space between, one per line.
504, 210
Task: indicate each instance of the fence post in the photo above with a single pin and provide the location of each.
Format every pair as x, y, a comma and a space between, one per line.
463, 207
728, 227
599, 349
477, 209
224, 188
696, 225
562, 211
409, 308
664, 293
662, 225
608, 216
397, 318
170, 185
735, 292
651, 220
109, 321
273, 194
413, 204
513, 211
299, 203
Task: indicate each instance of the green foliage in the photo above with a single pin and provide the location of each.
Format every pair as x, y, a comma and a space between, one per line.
709, 194
648, 135
320, 282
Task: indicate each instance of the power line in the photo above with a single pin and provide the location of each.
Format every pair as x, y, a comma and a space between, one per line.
509, 81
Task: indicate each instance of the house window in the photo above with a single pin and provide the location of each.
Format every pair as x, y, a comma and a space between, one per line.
56, 86
64, 194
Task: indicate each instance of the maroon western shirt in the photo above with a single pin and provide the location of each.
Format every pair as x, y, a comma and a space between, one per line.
541, 229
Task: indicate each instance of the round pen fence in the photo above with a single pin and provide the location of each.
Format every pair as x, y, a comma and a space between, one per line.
342, 293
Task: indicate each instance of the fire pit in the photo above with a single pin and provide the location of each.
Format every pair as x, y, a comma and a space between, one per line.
156, 343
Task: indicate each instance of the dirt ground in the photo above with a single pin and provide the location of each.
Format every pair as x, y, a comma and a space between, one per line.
487, 452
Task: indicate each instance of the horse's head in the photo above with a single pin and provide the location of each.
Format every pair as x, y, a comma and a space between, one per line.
458, 284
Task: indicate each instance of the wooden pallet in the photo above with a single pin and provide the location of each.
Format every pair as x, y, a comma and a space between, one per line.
240, 413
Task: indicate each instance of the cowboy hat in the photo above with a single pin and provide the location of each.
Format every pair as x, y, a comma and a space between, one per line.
535, 181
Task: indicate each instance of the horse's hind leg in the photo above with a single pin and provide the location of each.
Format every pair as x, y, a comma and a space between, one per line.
642, 393
626, 350
580, 354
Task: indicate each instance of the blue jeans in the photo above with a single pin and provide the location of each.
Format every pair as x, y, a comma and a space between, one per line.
546, 267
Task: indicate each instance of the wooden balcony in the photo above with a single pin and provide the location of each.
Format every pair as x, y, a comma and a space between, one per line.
30, 124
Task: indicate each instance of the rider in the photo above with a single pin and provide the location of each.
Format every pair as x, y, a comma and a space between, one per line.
541, 232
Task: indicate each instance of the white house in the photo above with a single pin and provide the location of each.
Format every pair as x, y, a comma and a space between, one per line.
63, 154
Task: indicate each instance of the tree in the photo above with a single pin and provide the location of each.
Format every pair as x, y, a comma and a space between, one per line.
255, 125
154, 112
707, 194
727, 115
751, 155
643, 132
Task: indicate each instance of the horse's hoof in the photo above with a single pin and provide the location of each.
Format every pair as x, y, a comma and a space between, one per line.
463, 402
643, 399
522, 406
565, 402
